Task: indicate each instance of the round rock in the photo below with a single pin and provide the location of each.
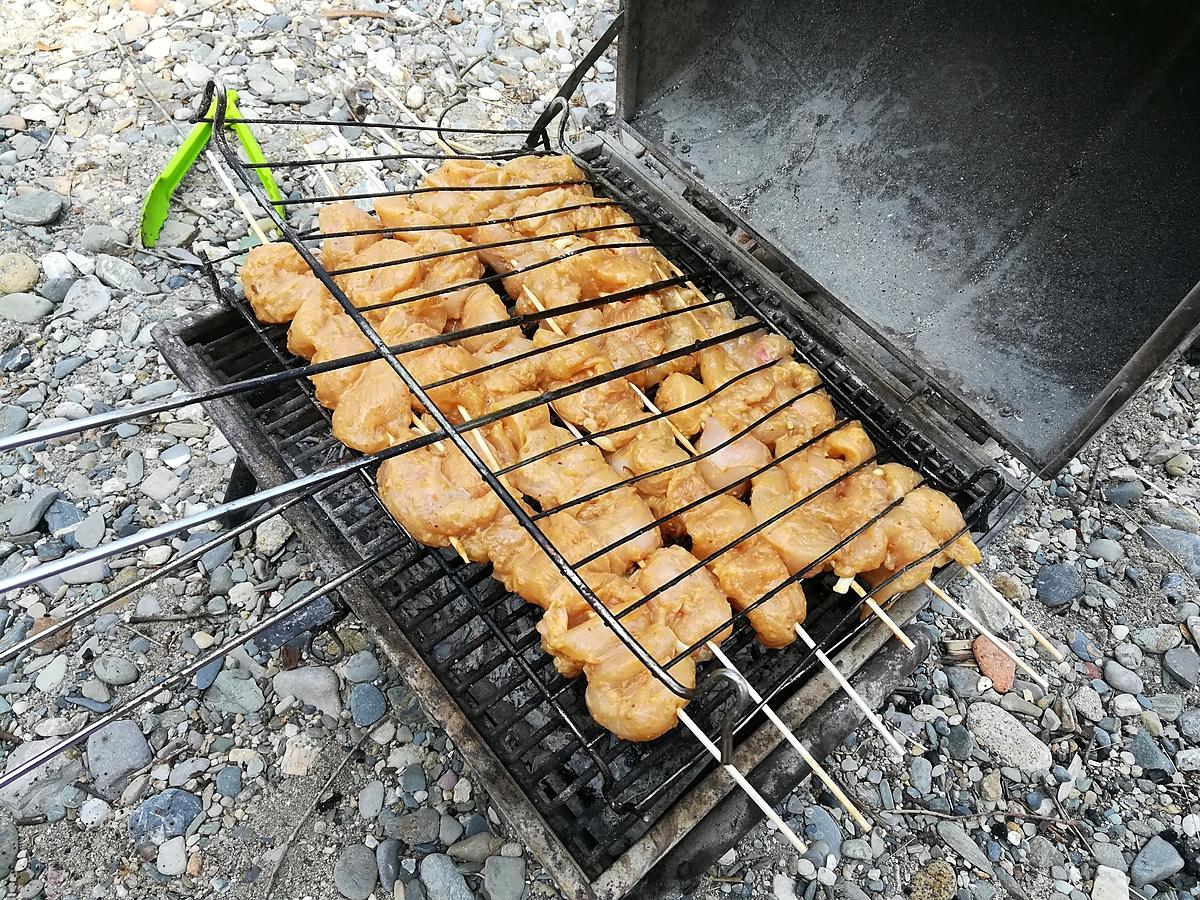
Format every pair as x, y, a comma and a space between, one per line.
114, 669
356, 872
1058, 584
18, 273
367, 705
1007, 740
35, 208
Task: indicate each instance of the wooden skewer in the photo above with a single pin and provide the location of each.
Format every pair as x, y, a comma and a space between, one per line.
877, 610
1054, 652
790, 736
854, 695
740, 779
1001, 645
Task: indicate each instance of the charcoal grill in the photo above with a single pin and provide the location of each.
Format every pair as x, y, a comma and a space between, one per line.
607, 818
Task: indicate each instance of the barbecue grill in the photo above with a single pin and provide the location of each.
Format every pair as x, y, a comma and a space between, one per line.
742, 223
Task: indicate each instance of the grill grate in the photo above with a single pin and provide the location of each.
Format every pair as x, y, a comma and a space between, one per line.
598, 794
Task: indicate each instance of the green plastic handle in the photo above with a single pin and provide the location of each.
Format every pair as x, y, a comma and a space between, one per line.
158, 201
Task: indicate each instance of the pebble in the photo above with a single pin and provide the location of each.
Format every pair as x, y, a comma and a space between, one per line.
370, 800
1088, 704
18, 273
477, 847
34, 792
920, 774
35, 208
229, 781
367, 705
9, 843
503, 878
1058, 584
1183, 545
114, 753
387, 863
172, 857
361, 667
1083, 646
103, 239
161, 484
163, 816
114, 669
29, 515
442, 880
232, 692
1149, 755
87, 300
315, 686
957, 839
122, 275
994, 663
1110, 884
271, 535
1121, 678
1006, 739
1156, 862
355, 873
24, 308
94, 812
1158, 638
1183, 665
1105, 549
12, 419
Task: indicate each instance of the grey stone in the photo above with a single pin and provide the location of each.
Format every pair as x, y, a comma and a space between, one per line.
24, 308
1007, 740
1167, 706
163, 816
1189, 724
122, 275
1043, 854
1058, 584
1122, 493
1183, 665
820, 826
207, 674
172, 857
370, 800
229, 781
12, 419
449, 831
477, 847
232, 693
367, 705
1121, 678
1158, 638
1156, 862
1109, 854
503, 877
355, 872
985, 607
442, 880
1110, 884
114, 669
29, 515
957, 839
387, 862
160, 484
114, 753
1087, 703
103, 239
920, 774
1175, 517
315, 686
90, 531
271, 535
1105, 549
35, 208
1183, 545
38, 790
87, 300
361, 667
217, 556
155, 390
420, 827
1149, 755
9, 844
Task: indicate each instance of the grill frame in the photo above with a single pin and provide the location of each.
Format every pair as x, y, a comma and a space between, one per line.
336, 555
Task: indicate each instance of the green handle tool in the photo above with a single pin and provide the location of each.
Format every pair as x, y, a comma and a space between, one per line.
158, 201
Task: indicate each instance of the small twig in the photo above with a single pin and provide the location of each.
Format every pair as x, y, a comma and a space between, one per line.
129, 627
291, 838
986, 815
355, 13
171, 617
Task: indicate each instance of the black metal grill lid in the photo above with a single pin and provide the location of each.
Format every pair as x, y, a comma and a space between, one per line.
1004, 193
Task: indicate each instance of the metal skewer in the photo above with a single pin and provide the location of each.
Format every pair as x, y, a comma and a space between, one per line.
1001, 645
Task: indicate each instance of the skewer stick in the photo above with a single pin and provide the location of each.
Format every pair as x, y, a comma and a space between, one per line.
740, 779
1002, 645
878, 611
1054, 652
854, 695
816, 767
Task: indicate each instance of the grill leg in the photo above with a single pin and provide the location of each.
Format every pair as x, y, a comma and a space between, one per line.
242, 483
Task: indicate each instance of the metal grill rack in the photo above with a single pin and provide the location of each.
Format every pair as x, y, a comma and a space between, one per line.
597, 793
470, 647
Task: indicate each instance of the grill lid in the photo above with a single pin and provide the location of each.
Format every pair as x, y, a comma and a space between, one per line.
1003, 193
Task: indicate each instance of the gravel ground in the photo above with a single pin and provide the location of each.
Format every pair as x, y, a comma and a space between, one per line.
1087, 790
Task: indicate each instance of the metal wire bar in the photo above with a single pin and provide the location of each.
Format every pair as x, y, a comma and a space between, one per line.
41, 758
174, 565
